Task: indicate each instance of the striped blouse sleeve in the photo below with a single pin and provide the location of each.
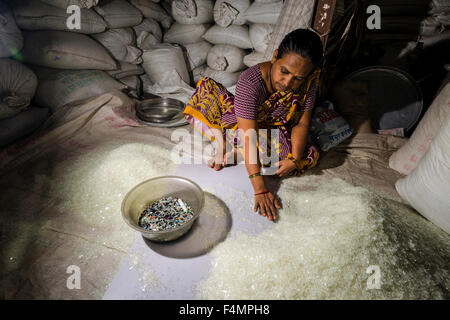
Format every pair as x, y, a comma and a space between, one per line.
249, 91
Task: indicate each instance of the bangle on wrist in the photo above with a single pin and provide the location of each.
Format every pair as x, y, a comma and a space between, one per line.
291, 157
254, 175
264, 192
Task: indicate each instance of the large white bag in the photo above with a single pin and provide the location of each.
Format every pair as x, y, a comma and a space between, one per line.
260, 35
126, 70
11, 41
151, 9
197, 53
36, 15
228, 12
59, 87
185, 33
17, 87
121, 44
223, 57
22, 124
193, 11
264, 12
119, 14
65, 3
427, 188
148, 33
162, 59
405, 159
228, 79
254, 58
233, 35
65, 50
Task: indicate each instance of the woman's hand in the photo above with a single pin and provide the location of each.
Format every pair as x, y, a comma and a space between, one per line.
267, 204
285, 167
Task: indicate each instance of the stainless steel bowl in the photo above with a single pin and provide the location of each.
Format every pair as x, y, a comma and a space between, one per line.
159, 110
142, 195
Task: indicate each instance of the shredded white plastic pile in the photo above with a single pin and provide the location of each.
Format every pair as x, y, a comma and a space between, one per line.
93, 186
328, 235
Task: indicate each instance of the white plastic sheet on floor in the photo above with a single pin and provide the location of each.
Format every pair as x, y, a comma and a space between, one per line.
42, 236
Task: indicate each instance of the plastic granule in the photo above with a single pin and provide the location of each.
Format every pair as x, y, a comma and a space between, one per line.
329, 237
165, 214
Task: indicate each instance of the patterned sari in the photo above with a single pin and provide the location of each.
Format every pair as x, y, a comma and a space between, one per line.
212, 107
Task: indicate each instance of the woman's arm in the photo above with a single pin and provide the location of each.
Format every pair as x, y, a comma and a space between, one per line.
266, 202
299, 139
247, 134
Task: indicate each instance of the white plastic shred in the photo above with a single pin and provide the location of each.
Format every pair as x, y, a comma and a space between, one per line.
328, 235
92, 186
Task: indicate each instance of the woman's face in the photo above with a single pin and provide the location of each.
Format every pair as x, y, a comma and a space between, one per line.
289, 72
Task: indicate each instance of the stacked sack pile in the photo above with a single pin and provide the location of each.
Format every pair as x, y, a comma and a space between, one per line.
216, 38
17, 85
51, 61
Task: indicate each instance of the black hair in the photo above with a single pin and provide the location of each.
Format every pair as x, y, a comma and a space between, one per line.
303, 42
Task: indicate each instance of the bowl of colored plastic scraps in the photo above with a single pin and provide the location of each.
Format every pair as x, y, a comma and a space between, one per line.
163, 208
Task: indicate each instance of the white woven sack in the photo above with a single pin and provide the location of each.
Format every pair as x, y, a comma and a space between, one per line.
427, 188
17, 87
60, 87
36, 15
126, 70
260, 35
408, 156
151, 9
227, 12
148, 33
199, 73
253, 58
162, 59
228, 79
264, 12
266, 1
197, 53
65, 50
193, 11
132, 82
223, 57
119, 14
233, 35
11, 41
121, 44
185, 33
66, 3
